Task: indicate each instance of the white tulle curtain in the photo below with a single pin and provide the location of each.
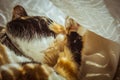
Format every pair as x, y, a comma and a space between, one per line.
101, 17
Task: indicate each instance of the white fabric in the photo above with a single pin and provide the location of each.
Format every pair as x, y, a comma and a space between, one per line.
91, 14
94, 15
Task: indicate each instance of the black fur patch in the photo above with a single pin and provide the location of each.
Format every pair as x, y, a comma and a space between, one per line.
75, 44
28, 27
1, 28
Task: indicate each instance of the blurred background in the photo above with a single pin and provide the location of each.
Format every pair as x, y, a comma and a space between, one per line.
99, 16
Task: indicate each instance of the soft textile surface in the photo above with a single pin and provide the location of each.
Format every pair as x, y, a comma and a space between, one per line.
94, 15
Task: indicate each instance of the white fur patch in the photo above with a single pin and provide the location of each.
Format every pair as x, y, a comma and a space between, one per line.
60, 37
35, 48
12, 57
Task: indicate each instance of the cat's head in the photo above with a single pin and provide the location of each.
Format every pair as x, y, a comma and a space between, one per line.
28, 27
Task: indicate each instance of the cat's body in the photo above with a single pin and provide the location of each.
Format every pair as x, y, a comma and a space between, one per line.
38, 51
37, 48
35, 43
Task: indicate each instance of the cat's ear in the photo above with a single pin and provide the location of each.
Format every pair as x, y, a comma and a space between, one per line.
73, 26
18, 11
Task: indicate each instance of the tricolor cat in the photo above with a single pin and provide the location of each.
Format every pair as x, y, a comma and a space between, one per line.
37, 48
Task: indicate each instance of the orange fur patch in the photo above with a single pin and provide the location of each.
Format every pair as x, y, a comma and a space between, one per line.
66, 66
57, 28
52, 53
3, 56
